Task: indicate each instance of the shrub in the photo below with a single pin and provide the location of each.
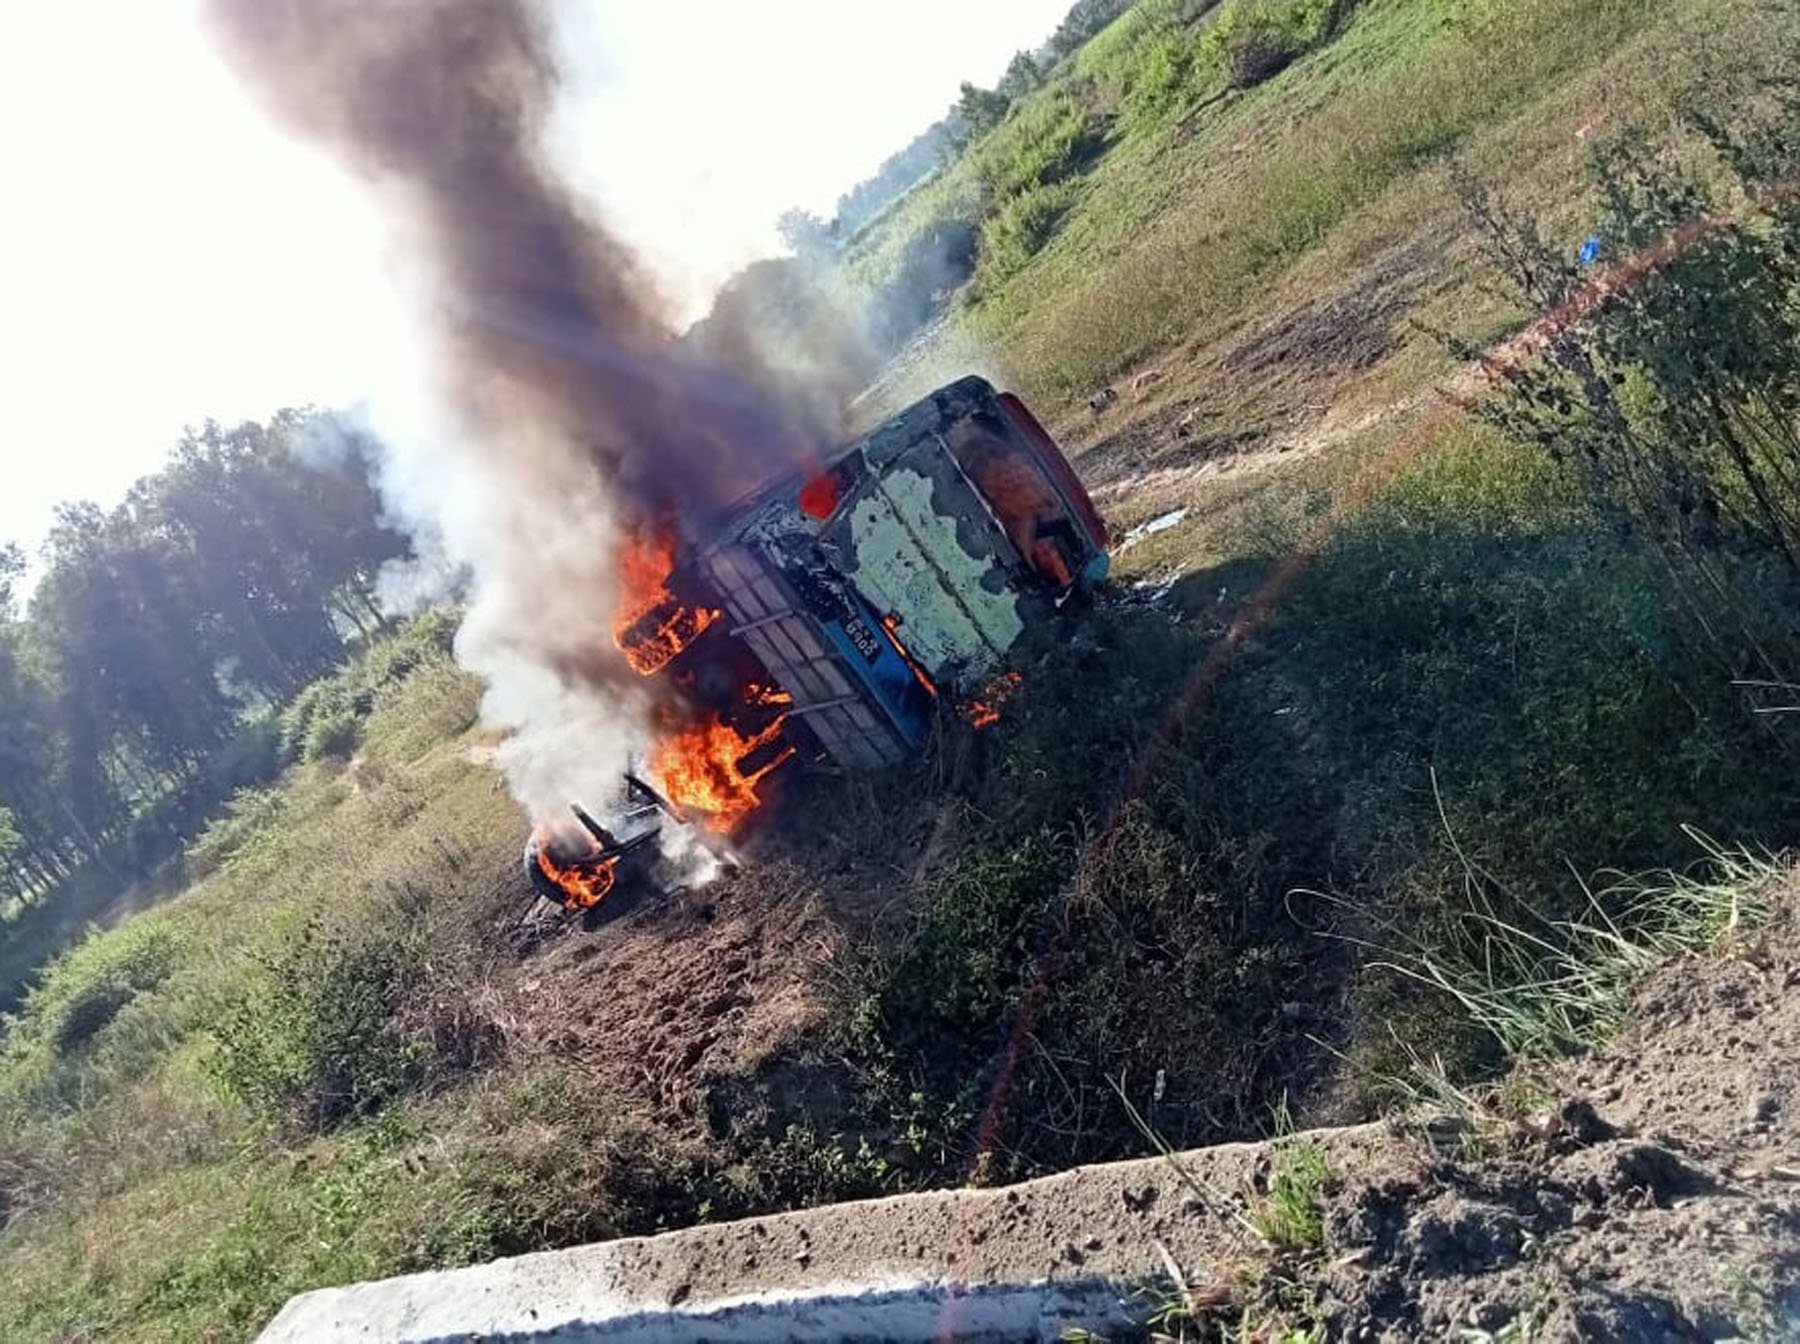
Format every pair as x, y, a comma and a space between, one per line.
319, 1039
323, 720
317, 701
332, 736
79, 995
1045, 142
1019, 232
1257, 52
439, 701
1678, 397
1162, 78
427, 637
250, 814
965, 963
1254, 40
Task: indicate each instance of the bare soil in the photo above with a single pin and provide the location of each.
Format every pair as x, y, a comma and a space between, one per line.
1656, 1196
670, 993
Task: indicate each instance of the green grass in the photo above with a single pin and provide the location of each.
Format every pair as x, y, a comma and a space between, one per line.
291, 1075
1165, 244
1291, 1216
1545, 986
154, 1188
1197, 209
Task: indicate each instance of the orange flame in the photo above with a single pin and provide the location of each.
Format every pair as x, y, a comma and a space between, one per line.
583, 883
890, 624
700, 770
984, 709
651, 625
758, 694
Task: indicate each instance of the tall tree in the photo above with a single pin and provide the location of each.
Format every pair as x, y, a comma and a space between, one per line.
1021, 77
980, 109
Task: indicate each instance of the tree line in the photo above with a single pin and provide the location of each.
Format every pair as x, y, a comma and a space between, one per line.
976, 111
137, 680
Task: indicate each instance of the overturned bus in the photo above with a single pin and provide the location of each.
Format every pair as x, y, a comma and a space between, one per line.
829, 616
909, 566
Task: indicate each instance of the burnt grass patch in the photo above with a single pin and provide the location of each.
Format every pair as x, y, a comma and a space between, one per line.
1349, 332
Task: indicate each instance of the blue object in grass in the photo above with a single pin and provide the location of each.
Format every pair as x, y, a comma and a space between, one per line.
1590, 250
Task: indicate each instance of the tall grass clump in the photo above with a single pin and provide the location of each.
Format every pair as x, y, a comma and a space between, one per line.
1292, 1216
1544, 986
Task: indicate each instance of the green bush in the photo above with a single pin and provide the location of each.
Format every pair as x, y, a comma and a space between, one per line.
930, 263
318, 1038
325, 719
973, 944
332, 736
1245, 43
66, 1015
1046, 141
425, 638
439, 701
1254, 40
251, 814
317, 701
1162, 78
1021, 229
1678, 399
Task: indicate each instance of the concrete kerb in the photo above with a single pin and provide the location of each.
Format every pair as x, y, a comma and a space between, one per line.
1021, 1262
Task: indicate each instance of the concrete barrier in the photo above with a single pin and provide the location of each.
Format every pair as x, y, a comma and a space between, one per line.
1023, 1262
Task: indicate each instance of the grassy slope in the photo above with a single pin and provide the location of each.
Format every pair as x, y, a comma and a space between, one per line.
1471, 656
1468, 621
169, 1166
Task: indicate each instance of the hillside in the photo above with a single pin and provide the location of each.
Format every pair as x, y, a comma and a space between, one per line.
1323, 812
1643, 1192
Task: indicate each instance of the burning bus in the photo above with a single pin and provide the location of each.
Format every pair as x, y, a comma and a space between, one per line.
830, 616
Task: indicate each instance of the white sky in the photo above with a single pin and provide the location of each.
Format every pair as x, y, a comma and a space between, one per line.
166, 256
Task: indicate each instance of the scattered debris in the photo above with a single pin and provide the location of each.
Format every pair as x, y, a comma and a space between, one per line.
1146, 379
1105, 397
1160, 523
1150, 592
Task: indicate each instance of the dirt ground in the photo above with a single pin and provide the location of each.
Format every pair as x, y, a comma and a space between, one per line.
690, 1005
1656, 1197
668, 997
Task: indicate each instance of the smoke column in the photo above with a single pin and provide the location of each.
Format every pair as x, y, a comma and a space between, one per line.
576, 414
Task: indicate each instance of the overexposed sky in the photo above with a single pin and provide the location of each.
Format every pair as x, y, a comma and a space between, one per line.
166, 256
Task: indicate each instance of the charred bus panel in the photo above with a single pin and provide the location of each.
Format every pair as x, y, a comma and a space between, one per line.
909, 566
